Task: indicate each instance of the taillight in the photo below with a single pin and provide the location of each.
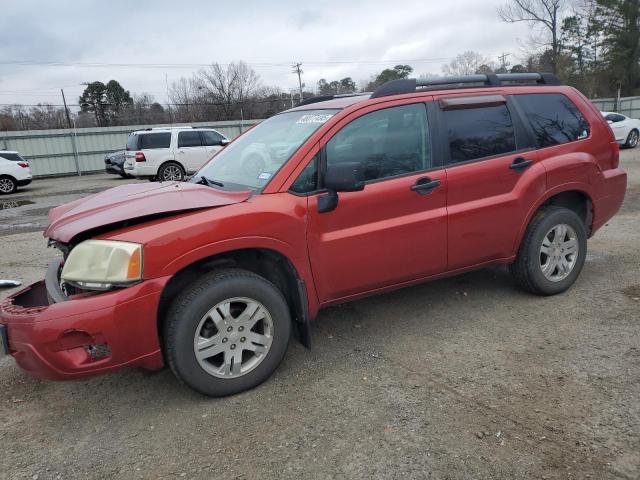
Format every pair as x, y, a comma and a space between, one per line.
24, 164
615, 155
140, 157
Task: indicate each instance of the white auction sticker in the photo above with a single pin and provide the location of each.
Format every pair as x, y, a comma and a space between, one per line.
315, 118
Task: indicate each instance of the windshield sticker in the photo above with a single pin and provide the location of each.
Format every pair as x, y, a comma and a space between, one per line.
316, 118
264, 176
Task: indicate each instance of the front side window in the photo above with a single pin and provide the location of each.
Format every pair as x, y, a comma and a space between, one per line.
189, 139
554, 118
252, 159
211, 138
615, 118
150, 141
388, 142
475, 133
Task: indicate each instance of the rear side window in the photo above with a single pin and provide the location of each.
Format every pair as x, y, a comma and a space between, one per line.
554, 118
189, 139
211, 138
155, 140
14, 157
475, 133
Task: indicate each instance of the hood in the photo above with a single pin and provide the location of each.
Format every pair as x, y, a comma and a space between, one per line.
134, 201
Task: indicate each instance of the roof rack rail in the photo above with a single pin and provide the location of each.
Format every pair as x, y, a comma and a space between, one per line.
409, 85
324, 98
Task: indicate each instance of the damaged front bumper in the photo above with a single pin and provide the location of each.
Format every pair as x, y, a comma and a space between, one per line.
57, 337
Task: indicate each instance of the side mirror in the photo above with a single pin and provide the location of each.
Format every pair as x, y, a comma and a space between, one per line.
224, 142
344, 177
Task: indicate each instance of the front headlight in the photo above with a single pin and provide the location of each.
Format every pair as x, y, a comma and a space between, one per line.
102, 264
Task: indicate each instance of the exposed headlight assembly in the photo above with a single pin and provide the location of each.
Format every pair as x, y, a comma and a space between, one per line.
103, 264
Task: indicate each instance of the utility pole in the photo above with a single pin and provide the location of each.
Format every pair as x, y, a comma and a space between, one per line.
73, 139
503, 60
296, 69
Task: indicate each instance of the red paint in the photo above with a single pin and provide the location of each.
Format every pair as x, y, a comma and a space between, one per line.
379, 239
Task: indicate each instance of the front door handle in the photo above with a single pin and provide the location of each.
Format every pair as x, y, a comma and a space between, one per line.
520, 164
425, 185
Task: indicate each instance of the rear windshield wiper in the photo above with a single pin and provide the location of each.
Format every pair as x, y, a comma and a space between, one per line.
209, 183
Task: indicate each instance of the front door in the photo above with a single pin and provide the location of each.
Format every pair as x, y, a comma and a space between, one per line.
190, 151
394, 230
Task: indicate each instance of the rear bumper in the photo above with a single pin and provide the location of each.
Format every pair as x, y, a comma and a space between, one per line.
141, 169
115, 169
610, 196
84, 336
22, 183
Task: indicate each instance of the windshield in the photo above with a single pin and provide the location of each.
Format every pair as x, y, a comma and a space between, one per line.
256, 156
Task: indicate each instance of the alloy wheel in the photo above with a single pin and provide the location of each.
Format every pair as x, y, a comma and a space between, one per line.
233, 338
6, 185
172, 173
633, 139
559, 252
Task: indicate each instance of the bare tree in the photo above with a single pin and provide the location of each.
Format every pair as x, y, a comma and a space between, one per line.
229, 87
466, 63
544, 13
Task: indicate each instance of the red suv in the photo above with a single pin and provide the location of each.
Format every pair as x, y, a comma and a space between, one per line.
336, 199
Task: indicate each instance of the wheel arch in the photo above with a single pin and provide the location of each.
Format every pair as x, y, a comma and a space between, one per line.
573, 197
266, 262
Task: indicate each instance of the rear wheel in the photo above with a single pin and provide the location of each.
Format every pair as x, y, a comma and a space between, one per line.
7, 185
171, 172
552, 251
632, 139
227, 332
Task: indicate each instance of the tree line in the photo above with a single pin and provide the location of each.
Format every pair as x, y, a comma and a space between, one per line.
593, 45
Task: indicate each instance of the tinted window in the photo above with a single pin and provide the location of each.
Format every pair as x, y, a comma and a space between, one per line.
479, 132
553, 118
211, 138
614, 117
13, 157
308, 179
388, 142
154, 140
189, 139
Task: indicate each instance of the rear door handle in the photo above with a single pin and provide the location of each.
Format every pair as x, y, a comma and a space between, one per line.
520, 164
425, 185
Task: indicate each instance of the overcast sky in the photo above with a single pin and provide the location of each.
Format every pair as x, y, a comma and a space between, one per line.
332, 39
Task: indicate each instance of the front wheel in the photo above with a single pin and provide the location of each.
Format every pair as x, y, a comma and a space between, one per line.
552, 251
7, 185
632, 139
227, 332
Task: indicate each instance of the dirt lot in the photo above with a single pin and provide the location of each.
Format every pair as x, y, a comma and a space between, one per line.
466, 377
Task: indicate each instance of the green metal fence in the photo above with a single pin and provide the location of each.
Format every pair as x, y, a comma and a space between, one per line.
56, 152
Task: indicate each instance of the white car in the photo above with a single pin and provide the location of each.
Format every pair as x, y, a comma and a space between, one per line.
14, 172
626, 130
169, 154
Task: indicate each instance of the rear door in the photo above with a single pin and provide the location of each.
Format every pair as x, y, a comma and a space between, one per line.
490, 166
394, 230
189, 151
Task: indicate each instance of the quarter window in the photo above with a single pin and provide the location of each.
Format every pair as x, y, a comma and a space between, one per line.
154, 140
554, 118
307, 181
475, 133
189, 139
388, 142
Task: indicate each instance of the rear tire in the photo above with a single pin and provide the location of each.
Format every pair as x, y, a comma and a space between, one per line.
216, 342
171, 172
632, 139
8, 185
552, 252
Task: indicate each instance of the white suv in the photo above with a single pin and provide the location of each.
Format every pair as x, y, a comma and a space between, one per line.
169, 154
14, 171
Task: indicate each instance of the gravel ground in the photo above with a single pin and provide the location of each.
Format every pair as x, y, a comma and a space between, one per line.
466, 377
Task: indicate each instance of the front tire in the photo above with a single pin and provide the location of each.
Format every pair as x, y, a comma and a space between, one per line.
7, 185
552, 252
632, 139
227, 332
